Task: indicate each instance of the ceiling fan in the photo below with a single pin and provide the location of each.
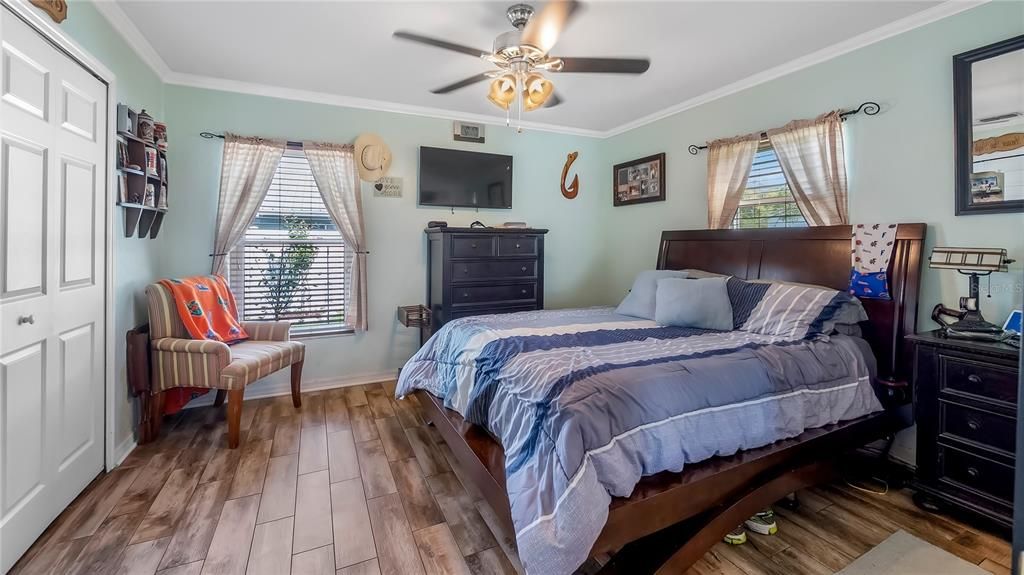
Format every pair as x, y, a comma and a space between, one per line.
521, 57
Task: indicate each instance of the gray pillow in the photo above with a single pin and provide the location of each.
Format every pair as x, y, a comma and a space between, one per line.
639, 302
702, 303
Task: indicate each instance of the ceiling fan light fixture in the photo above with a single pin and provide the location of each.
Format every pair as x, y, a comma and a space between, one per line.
503, 91
536, 91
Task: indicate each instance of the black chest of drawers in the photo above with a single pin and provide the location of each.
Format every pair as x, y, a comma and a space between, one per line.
966, 411
475, 271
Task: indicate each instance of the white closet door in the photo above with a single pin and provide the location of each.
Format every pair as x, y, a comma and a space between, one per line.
52, 222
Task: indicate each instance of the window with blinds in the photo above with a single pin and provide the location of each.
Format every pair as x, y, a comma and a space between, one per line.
293, 264
767, 201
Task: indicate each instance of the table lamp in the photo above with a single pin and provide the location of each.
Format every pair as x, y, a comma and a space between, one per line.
974, 263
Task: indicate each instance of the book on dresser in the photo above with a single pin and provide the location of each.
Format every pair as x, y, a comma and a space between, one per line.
477, 271
966, 410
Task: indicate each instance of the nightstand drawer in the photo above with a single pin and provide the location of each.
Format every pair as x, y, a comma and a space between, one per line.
984, 380
978, 473
978, 426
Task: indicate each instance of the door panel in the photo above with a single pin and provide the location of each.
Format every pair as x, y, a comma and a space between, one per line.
26, 83
24, 219
53, 155
75, 392
22, 393
78, 222
78, 113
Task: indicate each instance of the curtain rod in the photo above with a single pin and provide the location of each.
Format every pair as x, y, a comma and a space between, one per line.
869, 109
211, 135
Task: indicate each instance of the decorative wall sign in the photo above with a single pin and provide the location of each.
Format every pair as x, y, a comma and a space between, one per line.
1000, 143
388, 187
639, 181
572, 189
57, 9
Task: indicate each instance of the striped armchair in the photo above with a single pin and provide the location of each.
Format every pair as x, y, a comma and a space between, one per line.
178, 361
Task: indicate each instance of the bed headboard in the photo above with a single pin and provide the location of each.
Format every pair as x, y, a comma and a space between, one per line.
817, 255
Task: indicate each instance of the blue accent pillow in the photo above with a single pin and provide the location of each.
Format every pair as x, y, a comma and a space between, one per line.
639, 302
700, 303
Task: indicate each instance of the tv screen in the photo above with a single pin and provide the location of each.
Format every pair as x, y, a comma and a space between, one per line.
463, 179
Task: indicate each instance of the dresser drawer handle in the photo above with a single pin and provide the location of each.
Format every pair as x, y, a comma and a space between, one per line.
522, 291
473, 245
517, 246
522, 269
465, 270
973, 472
973, 424
465, 294
974, 378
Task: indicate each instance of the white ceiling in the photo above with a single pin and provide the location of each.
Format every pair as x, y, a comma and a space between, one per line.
345, 49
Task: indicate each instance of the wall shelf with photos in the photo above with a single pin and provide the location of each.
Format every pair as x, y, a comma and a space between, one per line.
141, 172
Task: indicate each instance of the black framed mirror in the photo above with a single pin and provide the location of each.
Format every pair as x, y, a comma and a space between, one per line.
988, 107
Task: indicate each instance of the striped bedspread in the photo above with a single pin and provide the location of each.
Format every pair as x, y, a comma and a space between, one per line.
586, 402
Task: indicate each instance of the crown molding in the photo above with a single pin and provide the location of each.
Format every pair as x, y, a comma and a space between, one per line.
922, 18
131, 34
120, 21
223, 85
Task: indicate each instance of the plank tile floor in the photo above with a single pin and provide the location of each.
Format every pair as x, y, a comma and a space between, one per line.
355, 483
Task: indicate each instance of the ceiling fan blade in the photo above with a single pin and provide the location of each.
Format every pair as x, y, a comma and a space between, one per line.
443, 44
460, 84
544, 27
553, 100
605, 65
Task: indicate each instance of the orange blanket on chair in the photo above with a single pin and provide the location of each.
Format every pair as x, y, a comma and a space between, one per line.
207, 308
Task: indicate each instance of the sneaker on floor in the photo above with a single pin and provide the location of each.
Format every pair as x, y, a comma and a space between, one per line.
762, 523
736, 537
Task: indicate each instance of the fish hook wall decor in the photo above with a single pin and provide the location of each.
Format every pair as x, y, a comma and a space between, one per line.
573, 188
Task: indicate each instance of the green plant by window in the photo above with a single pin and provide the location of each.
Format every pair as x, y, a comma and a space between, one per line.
284, 277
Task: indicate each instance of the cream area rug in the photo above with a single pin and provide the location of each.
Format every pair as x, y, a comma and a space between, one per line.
903, 554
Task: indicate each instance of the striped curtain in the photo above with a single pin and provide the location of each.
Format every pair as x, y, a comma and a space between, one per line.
812, 158
334, 169
729, 162
247, 168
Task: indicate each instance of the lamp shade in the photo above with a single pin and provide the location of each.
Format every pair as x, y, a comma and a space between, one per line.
969, 259
536, 90
503, 91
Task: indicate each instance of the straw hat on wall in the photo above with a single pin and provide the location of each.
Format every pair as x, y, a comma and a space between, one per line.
373, 158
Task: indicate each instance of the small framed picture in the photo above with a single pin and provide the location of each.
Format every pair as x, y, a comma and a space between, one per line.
1013, 322
639, 181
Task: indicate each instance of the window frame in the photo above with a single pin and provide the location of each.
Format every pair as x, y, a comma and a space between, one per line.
237, 271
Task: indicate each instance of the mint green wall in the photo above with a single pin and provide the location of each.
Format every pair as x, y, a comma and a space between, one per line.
900, 169
397, 261
900, 162
135, 260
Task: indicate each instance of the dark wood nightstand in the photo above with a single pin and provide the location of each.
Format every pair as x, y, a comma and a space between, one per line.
965, 397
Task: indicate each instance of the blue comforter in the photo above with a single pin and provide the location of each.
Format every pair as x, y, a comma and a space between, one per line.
586, 402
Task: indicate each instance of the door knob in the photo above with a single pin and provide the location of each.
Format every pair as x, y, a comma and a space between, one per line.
23, 319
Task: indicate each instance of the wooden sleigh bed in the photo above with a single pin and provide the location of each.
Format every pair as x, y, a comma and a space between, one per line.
686, 513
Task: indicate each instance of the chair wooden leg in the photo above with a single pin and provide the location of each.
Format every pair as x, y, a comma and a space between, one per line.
156, 415
297, 384
219, 400
235, 398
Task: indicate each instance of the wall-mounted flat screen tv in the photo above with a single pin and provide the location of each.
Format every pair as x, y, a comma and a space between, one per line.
461, 179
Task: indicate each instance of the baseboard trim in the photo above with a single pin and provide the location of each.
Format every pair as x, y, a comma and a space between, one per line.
123, 449
277, 388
